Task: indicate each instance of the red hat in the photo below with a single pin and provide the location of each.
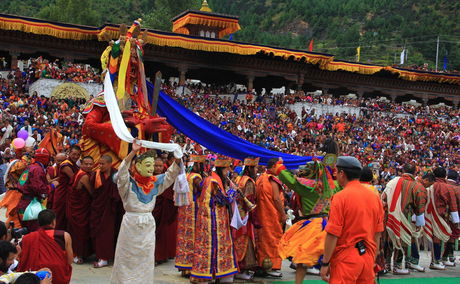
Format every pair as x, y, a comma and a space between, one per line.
42, 155
42, 152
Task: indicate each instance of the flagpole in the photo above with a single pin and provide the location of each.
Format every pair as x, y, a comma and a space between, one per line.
437, 54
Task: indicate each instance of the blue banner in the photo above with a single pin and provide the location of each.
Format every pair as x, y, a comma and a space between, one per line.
214, 138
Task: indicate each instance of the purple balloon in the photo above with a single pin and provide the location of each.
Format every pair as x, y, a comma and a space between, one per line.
23, 134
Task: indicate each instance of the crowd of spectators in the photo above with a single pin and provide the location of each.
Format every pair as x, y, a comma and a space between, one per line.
36, 68
383, 134
425, 67
37, 115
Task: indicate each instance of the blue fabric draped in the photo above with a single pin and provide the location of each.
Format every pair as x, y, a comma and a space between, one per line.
215, 138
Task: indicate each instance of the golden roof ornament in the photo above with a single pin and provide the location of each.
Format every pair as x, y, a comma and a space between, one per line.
205, 7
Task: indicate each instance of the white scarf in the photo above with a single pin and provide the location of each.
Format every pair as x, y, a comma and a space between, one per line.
122, 131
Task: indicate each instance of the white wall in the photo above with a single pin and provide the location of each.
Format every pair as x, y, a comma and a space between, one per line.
44, 87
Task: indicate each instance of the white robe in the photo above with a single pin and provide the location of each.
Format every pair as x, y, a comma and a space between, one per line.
135, 252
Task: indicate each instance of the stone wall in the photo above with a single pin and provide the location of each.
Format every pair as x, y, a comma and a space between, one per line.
44, 87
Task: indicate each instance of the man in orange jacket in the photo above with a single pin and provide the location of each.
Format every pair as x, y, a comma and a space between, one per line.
353, 230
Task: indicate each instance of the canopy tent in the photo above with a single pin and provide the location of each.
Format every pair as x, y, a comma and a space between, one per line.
440, 105
383, 99
351, 96
412, 102
69, 90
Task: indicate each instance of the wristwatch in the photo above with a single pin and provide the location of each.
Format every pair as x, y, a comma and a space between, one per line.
324, 264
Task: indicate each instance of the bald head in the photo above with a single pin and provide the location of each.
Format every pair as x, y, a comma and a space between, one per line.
60, 157
107, 158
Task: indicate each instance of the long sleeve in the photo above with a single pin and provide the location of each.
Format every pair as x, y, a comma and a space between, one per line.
38, 183
168, 178
453, 206
122, 178
308, 197
421, 198
291, 181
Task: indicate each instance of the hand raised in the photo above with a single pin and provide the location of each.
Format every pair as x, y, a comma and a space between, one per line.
136, 145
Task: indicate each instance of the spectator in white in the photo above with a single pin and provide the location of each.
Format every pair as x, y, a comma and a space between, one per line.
27, 127
7, 130
3, 169
188, 147
37, 136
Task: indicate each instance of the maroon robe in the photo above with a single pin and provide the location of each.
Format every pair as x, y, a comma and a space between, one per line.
46, 249
78, 212
36, 186
60, 195
165, 214
105, 216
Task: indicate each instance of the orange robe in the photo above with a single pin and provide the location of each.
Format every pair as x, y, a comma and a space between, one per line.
269, 235
304, 241
356, 214
244, 238
13, 195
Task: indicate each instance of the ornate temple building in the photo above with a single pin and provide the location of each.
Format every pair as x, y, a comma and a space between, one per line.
195, 49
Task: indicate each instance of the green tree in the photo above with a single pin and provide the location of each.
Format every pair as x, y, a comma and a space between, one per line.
165, 10
73, 11
381, 27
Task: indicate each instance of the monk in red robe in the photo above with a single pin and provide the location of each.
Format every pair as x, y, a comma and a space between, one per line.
33, 184
106, 209
49, 248
78, 210
52, 175
67, 170
165, 214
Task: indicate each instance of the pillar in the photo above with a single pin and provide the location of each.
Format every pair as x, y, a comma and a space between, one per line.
325, 91
287, 90
68, 58
425, 100
250, 85
300, 81
360, 94
14, 59
182, 77
456, 103
393, 98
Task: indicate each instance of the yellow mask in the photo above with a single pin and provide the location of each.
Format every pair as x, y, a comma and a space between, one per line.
146, 168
